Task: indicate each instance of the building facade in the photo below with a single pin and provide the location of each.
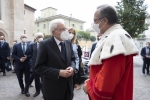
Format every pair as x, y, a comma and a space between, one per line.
16, 18
48, 14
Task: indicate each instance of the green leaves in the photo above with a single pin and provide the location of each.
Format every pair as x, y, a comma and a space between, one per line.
132, 15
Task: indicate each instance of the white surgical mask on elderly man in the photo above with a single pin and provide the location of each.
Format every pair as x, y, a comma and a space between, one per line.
64, 35
96, 27
1, 40
70, 36
24, 39
40, 39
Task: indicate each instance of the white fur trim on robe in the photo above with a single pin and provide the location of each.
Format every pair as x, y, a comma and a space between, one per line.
114, 41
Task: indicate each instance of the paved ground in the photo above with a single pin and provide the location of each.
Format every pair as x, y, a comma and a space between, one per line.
9, 88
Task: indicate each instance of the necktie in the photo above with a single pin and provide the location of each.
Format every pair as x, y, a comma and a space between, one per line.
63, 51
23, 48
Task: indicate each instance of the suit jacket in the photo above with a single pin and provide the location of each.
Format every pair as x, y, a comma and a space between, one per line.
18, 53
34, 51
143, 53
48, 64
93, 47
4, 50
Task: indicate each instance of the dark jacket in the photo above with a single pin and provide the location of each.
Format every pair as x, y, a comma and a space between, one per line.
48, 64
34, 51
143, 53
18, 53
4, 50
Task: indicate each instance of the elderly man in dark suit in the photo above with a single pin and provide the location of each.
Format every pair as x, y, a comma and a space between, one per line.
34, 47
145, 53
4, 54
54, 63
22, 54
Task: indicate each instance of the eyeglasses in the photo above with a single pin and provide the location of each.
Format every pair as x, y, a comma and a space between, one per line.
96, 19
61, 29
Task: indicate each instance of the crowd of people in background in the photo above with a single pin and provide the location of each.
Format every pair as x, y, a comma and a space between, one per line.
55, 63
23, 58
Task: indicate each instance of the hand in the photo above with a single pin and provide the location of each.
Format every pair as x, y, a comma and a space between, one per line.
25, 57
86, 81
70, 69
85, 88
8, 58
65, 73
22, 60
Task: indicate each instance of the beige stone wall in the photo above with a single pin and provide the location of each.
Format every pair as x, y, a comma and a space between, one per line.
29, 24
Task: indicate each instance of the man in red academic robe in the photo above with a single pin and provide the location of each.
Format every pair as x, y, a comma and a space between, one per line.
111, 63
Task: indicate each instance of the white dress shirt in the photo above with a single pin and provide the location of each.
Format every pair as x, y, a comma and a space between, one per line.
25, 46
58, 43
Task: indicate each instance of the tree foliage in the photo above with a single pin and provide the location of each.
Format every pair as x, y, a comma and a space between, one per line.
92, 38
132, 15
46, 36
83, 35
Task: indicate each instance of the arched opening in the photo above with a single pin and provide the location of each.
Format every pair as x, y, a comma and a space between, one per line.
3, 33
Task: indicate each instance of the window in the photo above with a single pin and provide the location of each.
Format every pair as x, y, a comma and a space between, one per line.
38, 30
81, 27
73, 25
0, 9
37, 24
24, 31
44, 26
141, 44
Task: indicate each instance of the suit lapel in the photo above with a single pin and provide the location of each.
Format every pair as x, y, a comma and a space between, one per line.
67, 50
55, 47
20, 46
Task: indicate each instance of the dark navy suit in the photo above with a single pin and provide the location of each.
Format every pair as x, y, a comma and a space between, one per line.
146, 61
38, 85
93, 48
4, 53
22, 67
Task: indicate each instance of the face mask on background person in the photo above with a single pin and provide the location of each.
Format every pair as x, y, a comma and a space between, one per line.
70, 36
96, 27
2, 40
24, 40
40, 39
64, 35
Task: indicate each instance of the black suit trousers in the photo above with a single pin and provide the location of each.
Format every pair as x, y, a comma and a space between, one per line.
2, 64
146, 63
26, 72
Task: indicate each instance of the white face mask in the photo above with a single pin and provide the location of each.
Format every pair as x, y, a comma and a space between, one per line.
40, 39
64, 35
96, 27
2, 40
24, 40
70, 36
14, 42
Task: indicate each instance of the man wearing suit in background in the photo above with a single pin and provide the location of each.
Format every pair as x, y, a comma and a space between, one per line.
22, 54
34, 47
4, 54
94, 44
145, 53
54, 63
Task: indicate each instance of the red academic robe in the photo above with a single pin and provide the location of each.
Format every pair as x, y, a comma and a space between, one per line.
113, 80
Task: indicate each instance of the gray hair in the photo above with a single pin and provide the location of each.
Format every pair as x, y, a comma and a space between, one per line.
23, 35
39, 34
109, 12
53, 24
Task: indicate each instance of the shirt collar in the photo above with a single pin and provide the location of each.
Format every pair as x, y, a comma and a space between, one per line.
57, 41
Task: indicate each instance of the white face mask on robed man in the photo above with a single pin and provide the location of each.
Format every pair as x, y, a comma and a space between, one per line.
96, 27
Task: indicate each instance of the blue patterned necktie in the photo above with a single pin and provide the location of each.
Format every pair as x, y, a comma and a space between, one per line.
23, 48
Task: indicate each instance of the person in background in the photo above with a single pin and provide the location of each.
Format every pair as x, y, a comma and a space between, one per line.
13, 60
22, 54
111, 63
55, 63
72, 37
78, 80
94, 44
34, 76
4, 54
145, 53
